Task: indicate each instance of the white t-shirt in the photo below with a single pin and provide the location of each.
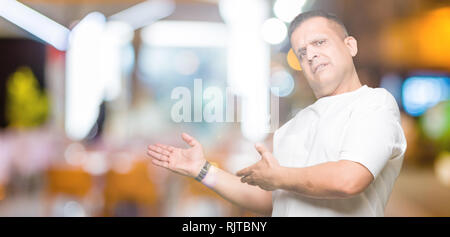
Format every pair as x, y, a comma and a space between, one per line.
362, 126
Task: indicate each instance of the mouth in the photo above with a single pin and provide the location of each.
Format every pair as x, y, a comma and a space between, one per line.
319, 67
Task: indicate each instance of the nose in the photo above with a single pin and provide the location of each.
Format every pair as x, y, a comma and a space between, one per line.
311, 54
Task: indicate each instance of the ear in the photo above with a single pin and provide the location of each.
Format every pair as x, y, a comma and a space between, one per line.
352, 45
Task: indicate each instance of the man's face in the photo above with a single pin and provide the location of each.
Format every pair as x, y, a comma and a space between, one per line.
325, 54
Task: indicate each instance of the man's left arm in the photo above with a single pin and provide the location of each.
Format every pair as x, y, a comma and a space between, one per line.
330, 180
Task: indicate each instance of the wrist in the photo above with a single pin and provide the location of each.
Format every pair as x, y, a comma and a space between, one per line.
278, 177
203, 172
211, 177
196, 168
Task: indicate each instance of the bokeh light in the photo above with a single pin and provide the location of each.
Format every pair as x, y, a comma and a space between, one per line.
186, 62
287, 10
436, 120
393, 83
293, 60
421, 93
283, 81
442, 168
436, 124
274, 31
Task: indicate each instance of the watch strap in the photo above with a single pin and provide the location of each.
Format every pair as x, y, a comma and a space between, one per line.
203, 172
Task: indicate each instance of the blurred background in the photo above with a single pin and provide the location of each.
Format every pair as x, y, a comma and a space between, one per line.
85, 86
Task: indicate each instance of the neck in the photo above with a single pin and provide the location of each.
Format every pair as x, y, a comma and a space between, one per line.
350, 84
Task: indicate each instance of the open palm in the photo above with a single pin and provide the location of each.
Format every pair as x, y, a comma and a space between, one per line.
187, 162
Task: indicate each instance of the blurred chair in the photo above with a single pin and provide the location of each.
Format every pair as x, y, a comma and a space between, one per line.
2, 192
67, 181
133, 190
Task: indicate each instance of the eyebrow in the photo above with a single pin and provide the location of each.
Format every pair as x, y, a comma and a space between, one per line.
310, 42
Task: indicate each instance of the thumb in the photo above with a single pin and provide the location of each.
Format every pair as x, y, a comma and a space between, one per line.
189, 140
261, 149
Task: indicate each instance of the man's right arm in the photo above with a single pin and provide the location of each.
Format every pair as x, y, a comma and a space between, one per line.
231, 188
190, 161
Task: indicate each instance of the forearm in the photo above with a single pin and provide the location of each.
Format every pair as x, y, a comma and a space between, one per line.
331, 180
241, 194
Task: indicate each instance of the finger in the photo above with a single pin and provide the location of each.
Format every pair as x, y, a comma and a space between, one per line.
157, 156
252, 183
249, 180
249, 170
244, 179
244, 172
161, 146
161, 150
160, 163
261, 149
169, 148
189, 140
264, 187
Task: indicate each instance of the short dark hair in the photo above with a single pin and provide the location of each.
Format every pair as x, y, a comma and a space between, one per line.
302, 17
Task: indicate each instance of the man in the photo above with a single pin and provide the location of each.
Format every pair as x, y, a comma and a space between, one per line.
338, 157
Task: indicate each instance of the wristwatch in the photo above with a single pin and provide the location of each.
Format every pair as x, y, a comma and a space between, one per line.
203, 172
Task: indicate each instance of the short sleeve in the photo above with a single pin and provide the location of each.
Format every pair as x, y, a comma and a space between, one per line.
374, 135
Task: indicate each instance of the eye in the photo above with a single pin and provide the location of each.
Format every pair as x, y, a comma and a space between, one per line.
301, 54
320, 42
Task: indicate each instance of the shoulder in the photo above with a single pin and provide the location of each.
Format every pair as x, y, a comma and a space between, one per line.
286, 125
289, 125
378, 96
378, 100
